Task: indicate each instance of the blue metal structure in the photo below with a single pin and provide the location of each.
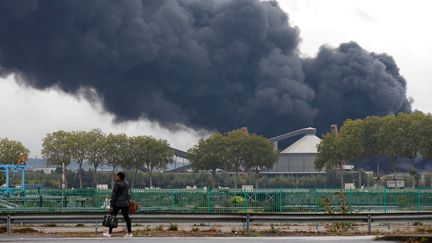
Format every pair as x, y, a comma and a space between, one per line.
7, 169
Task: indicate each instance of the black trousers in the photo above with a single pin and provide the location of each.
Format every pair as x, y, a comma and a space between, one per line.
125, 213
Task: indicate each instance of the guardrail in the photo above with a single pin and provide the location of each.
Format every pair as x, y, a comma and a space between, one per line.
243, 218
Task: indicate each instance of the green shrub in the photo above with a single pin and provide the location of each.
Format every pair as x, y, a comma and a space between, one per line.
237, 200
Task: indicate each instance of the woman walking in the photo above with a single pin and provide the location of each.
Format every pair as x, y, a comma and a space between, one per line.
120, 202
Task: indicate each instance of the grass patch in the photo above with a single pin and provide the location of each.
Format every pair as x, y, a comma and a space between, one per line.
159, 228
173, 227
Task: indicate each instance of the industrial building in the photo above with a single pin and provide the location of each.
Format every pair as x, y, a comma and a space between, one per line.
299, 157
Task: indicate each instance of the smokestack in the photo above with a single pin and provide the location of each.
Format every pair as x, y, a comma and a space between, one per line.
245, 130
334, 129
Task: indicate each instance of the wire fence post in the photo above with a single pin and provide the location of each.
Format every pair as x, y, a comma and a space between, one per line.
244, 201
350, 200
280, 199
418, 199
315, 200
172, 200
62, 199
208, 201
385, 199
25, 199
98, 193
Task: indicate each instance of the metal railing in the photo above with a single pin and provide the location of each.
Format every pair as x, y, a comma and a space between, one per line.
247, 219
226, 201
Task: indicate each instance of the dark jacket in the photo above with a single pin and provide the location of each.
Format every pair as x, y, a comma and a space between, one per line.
120, 195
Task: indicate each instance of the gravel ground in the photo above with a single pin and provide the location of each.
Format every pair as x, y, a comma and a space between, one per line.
362, 239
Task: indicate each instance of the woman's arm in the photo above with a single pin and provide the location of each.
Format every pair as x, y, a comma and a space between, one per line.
114, 195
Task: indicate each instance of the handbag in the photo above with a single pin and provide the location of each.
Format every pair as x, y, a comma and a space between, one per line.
110, 221
105, 221
133, 206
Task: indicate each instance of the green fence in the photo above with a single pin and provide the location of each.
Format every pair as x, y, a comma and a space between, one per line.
226, 201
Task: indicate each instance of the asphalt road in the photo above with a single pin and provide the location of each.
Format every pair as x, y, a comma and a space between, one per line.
366, 239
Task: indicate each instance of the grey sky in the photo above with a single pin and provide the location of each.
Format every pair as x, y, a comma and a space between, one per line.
28, 114
399, 28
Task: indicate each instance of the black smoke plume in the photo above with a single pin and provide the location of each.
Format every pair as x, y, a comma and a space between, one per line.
213, 64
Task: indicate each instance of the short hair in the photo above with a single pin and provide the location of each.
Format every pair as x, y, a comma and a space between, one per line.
121, 175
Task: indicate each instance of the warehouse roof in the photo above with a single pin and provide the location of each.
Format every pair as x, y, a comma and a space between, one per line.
305, 145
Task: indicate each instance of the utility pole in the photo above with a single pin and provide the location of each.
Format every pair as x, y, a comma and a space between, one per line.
334, 129
63, 186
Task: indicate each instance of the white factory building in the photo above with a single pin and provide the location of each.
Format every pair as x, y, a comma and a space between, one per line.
299, 157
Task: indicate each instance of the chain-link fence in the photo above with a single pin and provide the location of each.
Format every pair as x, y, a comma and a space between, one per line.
227, 201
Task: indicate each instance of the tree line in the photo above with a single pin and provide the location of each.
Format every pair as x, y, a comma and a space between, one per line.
10, 151
96, 148
374, 138
235, 151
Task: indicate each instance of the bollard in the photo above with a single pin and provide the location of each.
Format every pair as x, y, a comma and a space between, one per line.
247, 222
9, 225
369, 219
